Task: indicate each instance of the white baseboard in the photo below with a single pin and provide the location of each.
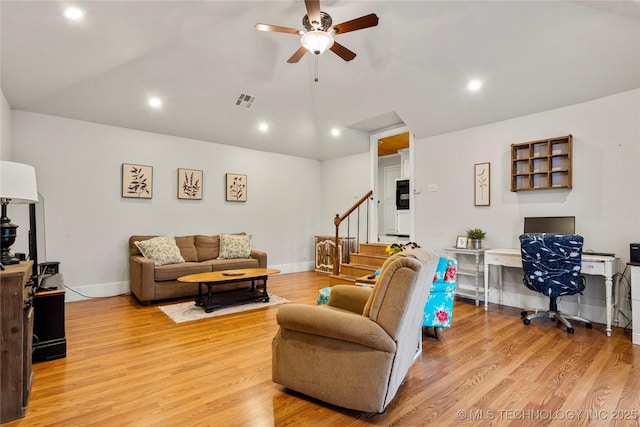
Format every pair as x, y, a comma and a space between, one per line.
101, 290
294, 268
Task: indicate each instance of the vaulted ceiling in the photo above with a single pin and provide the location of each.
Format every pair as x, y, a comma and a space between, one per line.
413, 68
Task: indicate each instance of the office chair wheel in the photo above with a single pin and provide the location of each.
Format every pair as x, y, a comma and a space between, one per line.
571, 330
526, 321
523, 314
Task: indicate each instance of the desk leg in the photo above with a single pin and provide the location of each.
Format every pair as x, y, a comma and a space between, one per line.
608, 283
616, 302
500, 268
486, 287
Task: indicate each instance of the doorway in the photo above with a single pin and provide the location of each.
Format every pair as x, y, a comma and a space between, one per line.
391, 162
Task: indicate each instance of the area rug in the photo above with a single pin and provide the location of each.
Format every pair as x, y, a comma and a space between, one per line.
188, 311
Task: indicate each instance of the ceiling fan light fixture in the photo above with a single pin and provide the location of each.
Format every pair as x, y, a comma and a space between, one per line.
316, 41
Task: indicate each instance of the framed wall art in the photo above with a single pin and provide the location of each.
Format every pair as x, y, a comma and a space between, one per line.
189, 184
461, 242
482, 184
236, 187
137, 181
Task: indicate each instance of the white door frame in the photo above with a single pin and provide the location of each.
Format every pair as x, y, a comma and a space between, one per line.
373, 178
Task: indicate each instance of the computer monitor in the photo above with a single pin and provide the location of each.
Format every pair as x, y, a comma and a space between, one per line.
550, 224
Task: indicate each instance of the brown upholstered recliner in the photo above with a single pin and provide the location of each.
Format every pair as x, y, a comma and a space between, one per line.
355, 351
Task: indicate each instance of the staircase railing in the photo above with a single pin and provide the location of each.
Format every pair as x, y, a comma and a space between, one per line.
347, 215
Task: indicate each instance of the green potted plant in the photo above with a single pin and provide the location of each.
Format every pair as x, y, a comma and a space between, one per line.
476, 235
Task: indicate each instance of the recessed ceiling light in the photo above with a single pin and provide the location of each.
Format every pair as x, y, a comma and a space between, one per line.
335, 132
474, 85
263, 127
73, 13
155, 102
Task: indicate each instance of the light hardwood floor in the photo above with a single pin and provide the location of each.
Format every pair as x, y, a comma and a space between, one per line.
129, 365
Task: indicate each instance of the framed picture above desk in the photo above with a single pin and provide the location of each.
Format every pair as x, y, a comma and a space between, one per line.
594, 265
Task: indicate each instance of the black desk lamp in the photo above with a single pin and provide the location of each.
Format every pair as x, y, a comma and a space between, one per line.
17, 185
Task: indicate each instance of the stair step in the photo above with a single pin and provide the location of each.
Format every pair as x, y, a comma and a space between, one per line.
373, 248
357, 270
373, 260
341, 279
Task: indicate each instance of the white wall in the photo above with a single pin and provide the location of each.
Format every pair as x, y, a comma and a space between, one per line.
344, 181
604, 198
78, 166
5, 128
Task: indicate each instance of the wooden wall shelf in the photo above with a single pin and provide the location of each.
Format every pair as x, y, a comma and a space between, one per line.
542, 164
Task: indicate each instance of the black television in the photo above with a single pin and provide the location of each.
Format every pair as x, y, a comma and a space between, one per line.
550, 224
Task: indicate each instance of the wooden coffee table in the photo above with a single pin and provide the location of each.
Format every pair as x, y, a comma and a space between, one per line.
211, 300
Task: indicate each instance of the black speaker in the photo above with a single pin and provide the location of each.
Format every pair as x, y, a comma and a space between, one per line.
634, 255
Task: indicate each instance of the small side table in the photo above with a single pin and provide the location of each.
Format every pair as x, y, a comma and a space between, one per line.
476, 272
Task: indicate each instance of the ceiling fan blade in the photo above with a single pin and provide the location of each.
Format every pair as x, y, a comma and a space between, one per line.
342, 51
313, 10
297, 55
366, 21
276, 29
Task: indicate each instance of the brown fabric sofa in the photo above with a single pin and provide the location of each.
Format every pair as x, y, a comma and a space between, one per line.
355, 351
150, 283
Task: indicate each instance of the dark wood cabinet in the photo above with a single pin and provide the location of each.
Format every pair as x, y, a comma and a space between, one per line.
16, 330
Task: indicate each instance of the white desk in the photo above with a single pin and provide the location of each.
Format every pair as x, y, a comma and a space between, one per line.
595, 265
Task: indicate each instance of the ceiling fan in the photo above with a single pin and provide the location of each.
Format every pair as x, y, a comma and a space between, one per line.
318, 32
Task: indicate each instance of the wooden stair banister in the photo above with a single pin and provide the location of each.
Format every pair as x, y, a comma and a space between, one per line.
338, 220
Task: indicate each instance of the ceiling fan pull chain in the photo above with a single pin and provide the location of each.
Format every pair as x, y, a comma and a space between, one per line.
316, 75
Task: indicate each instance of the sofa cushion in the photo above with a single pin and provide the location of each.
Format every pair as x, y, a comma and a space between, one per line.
207, 247
187, 246
162, 250
173, 271
234, 246
232, 264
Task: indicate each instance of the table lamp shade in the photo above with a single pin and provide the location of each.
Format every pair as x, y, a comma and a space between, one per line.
18, 182
17, 185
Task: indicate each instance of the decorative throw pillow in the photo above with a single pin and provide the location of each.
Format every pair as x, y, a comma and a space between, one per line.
162, 250
234, 246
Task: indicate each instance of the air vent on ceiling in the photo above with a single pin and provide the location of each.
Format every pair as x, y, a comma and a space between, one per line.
245, 101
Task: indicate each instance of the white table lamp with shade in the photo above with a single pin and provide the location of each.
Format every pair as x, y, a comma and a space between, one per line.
17, 185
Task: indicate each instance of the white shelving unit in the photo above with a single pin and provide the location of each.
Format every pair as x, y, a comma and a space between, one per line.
470, 269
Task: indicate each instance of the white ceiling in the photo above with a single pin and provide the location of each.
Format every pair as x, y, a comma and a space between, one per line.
198, 56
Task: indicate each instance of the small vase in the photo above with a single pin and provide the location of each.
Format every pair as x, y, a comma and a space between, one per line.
476, 244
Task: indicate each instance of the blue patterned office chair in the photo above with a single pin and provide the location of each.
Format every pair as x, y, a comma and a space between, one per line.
551, 264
